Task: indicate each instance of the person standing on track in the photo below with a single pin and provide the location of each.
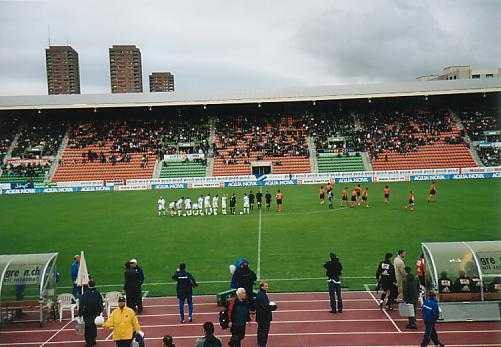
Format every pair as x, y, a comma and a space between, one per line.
140, 275
430, 316
90, 306
385, 275
333, 270
400, 274
184, 289
411, 292
209, 340
238, 311
263, 314
123, 321
245, 278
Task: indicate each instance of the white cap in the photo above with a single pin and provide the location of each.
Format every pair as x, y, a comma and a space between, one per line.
133, 261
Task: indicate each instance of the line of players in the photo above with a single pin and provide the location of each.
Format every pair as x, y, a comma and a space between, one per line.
360, 196
207, 205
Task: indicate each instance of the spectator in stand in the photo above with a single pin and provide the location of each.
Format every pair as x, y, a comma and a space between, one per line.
209, 340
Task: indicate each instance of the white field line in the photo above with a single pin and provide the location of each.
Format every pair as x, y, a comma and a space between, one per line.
258, 270
108, 337
298, 334
277, 301
228, 281
54, 335
386, 313
174, 325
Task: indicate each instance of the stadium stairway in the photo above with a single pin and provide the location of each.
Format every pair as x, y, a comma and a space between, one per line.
75, 168
13, 145
334, 163
182, 169
59, 155
312, 149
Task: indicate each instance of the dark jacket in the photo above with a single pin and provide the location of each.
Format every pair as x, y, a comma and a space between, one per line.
385, 274
208, 341
263, 309
132, 281
140, 274
185, 284
333, 269
245, 278
240, 314
411, 289
91, 304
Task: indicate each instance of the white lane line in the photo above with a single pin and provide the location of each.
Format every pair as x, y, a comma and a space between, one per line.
386, 313
108, 337
54, 335
258, 270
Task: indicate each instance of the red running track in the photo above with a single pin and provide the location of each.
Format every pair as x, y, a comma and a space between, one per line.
302, 319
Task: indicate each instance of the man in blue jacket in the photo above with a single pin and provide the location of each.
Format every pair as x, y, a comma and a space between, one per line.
185, 284
75, 265
430, 316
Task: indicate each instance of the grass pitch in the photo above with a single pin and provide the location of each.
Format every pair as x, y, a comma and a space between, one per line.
114, 227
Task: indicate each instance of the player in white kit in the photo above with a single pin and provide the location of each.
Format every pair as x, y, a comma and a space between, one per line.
207, 205
246, 204
215, 203
201, 205
172, 208
179, 206
187, 206
223, 204
195, 208
161, 206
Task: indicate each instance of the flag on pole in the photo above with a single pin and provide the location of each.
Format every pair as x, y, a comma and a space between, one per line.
83, 275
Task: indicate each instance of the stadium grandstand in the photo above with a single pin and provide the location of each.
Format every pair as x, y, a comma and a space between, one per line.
415, 125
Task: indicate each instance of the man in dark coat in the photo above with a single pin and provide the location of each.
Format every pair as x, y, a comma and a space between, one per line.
238, 311
185, 284
333, 270
245, 279
91, 306
132, 286
263, 314
140, 278
411, 291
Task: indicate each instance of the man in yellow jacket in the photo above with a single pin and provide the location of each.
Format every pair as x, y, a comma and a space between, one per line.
124, 323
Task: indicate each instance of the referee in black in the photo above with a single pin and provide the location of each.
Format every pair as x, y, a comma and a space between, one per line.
333, 269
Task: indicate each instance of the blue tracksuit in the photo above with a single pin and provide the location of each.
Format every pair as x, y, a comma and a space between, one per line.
430, 315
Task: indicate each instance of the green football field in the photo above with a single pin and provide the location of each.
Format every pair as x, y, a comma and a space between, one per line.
288, 249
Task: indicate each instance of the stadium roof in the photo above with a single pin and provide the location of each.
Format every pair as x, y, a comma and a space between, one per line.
219, 97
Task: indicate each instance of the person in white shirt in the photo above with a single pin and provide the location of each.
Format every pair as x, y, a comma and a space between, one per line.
195, 208
215, 204
207, 205
246, 204
172, 208
179, 206
223, 204
187, 206
201, 205
161, 206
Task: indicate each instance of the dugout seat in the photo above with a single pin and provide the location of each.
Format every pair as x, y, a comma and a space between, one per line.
67, 301
111, 301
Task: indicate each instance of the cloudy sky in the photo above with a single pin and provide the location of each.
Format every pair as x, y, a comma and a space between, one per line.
241, 44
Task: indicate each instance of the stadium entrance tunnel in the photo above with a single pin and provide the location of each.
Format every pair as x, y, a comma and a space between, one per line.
467, 278
27, 285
